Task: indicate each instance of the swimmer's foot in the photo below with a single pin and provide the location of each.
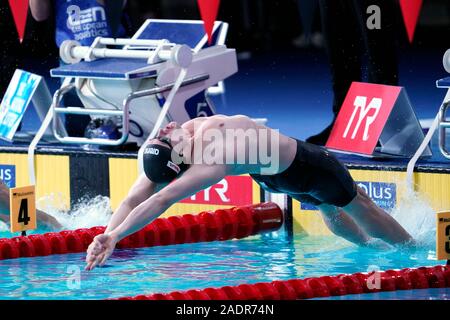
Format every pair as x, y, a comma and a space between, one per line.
409, 244
321, 139
377, 244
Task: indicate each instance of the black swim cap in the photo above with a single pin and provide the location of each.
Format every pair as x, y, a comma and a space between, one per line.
158, 164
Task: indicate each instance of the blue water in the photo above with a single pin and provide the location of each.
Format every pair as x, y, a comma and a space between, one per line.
183, 267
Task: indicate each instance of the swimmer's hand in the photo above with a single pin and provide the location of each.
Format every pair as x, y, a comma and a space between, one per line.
100, 250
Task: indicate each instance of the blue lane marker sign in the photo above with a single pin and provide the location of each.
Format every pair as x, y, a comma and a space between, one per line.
8, 175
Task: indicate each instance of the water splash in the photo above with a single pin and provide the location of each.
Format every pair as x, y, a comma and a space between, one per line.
3, 227
417, 216
84, 214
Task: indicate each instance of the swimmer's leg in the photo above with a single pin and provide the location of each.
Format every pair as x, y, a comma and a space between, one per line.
343, 225
375, 221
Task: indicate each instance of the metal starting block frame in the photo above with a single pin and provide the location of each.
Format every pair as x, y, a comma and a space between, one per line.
140, 57
124, 113
440, 123
443, 123
153, 51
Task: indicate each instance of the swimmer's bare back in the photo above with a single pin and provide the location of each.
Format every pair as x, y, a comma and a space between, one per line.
243, 136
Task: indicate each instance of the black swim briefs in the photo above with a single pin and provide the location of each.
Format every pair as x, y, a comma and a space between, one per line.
315, 176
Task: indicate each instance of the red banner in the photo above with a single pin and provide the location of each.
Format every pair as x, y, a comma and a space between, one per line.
19, 10
208, 11
232, 190
411, 12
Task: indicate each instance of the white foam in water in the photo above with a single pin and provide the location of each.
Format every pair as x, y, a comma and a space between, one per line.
417, 216
3, 227
85, 214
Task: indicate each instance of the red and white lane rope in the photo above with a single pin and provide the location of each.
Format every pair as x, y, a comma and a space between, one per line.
358, 283
218, 225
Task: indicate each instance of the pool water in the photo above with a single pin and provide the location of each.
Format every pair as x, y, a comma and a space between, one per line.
182, 267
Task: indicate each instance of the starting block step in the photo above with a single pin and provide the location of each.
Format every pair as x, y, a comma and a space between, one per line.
443, 83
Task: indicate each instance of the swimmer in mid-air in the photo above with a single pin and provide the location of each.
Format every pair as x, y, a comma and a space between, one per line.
183, 160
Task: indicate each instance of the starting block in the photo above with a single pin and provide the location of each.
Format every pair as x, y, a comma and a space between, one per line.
164, 73
130, 79
444, 124
439, 123
377, 121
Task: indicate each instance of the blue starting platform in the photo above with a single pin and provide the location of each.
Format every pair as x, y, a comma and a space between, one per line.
443, 83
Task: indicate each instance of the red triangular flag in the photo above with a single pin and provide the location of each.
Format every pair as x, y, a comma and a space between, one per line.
208, 11
19, 10
411, 12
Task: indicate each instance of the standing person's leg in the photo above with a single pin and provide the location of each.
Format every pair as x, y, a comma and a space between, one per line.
238, 15
380, 44
375, 221
342, 42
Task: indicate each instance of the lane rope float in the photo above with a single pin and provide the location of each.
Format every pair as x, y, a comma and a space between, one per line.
317, 287
218, 225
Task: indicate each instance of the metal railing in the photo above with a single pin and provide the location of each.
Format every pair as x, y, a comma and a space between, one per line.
443, 126
123, 114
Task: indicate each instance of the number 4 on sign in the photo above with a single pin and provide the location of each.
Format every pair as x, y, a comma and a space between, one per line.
22, 203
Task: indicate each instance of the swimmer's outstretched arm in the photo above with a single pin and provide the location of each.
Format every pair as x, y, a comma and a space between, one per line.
141, 190
196, 178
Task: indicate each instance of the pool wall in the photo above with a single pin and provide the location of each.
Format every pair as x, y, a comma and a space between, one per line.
72, 175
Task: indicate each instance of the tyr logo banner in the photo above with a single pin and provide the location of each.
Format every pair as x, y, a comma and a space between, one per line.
232, 190
363, 115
